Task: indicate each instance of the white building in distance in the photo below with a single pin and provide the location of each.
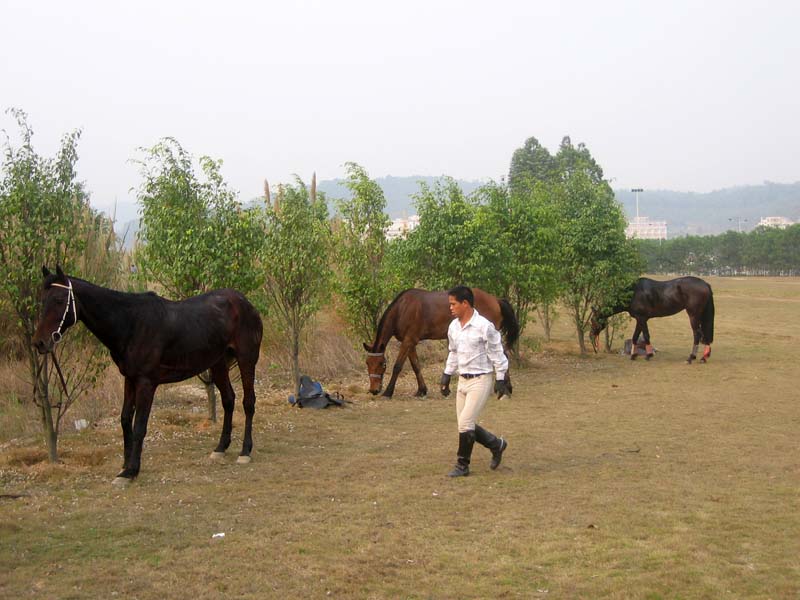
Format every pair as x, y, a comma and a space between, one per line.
779, 222
642, 228
400, 227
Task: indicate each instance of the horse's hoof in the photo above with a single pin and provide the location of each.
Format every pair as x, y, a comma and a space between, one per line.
703, 360
243, 460
121, 482
217, 456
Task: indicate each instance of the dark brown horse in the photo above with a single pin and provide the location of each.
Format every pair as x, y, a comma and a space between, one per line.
152, 341
416, 315
652, 298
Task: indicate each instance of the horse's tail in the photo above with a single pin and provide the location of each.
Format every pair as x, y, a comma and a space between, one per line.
707, 318
509, 325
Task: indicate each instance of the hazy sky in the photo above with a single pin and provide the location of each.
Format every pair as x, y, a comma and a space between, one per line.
680, 95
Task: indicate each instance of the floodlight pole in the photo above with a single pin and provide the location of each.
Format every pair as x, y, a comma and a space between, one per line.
637, 190
739, 221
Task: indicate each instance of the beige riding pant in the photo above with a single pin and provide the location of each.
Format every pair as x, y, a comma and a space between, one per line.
471, 396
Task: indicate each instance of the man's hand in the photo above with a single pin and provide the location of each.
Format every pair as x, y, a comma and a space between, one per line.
445, 383
500, 387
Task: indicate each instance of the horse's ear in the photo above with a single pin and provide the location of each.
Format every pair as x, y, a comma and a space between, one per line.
59, 272
45, 271
367, 347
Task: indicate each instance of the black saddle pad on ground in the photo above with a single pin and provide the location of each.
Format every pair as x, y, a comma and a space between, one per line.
312, 396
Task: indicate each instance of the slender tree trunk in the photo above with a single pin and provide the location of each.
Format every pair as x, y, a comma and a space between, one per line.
580, 331
296, 360
544, 316
43, 399
581, 342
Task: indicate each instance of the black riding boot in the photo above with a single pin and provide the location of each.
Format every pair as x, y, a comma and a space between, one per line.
492, 442
466, 439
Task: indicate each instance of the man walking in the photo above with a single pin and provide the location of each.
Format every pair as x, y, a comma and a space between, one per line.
476, 350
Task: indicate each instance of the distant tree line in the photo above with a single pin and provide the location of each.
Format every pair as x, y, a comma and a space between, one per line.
763, 251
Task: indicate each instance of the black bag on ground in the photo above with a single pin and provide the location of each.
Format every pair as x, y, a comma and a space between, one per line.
312, 396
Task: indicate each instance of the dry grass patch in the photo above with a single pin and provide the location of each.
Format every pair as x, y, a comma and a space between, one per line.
623, 479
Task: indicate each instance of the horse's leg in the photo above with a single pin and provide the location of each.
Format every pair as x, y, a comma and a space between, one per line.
635, 338
247, 368
144, 391
126, 420
405, 347
219, 373
422, 389
647, 345
706, 353
694, 321
704, 340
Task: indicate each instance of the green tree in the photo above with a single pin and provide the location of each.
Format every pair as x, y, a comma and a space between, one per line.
533, 174
571, 160
294, 257
518, 245
446, 248
530, 165
194, 235
47, 220
365, 283
598, 265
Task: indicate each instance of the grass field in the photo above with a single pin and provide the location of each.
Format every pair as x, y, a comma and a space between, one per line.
622, 480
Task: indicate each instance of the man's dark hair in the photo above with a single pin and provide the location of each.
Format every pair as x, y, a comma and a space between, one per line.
461, 293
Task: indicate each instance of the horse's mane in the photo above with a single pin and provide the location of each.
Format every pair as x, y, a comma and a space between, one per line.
118, 295
384, 316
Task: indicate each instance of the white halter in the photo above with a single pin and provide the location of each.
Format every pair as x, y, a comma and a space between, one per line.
56, 335
376, 375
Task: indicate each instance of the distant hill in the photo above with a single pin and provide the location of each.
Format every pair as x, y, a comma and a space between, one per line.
686, 213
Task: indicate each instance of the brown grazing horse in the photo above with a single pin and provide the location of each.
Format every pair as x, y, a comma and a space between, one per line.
152, 341
652, 298
416, 315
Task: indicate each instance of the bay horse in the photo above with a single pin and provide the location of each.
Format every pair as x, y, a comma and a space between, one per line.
152, 341
415, 315
651, 298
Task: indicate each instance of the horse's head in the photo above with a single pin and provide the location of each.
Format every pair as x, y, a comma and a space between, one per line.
376, 367
59, 310
598, 323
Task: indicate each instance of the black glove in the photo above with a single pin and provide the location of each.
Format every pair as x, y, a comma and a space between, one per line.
500, 388
445, 384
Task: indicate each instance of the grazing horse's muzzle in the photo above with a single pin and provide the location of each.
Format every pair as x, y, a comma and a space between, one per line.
376, 367
41, 346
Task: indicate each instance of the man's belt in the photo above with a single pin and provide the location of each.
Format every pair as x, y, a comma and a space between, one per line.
471, 375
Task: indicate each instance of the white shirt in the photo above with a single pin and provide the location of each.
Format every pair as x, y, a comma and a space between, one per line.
475, 348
